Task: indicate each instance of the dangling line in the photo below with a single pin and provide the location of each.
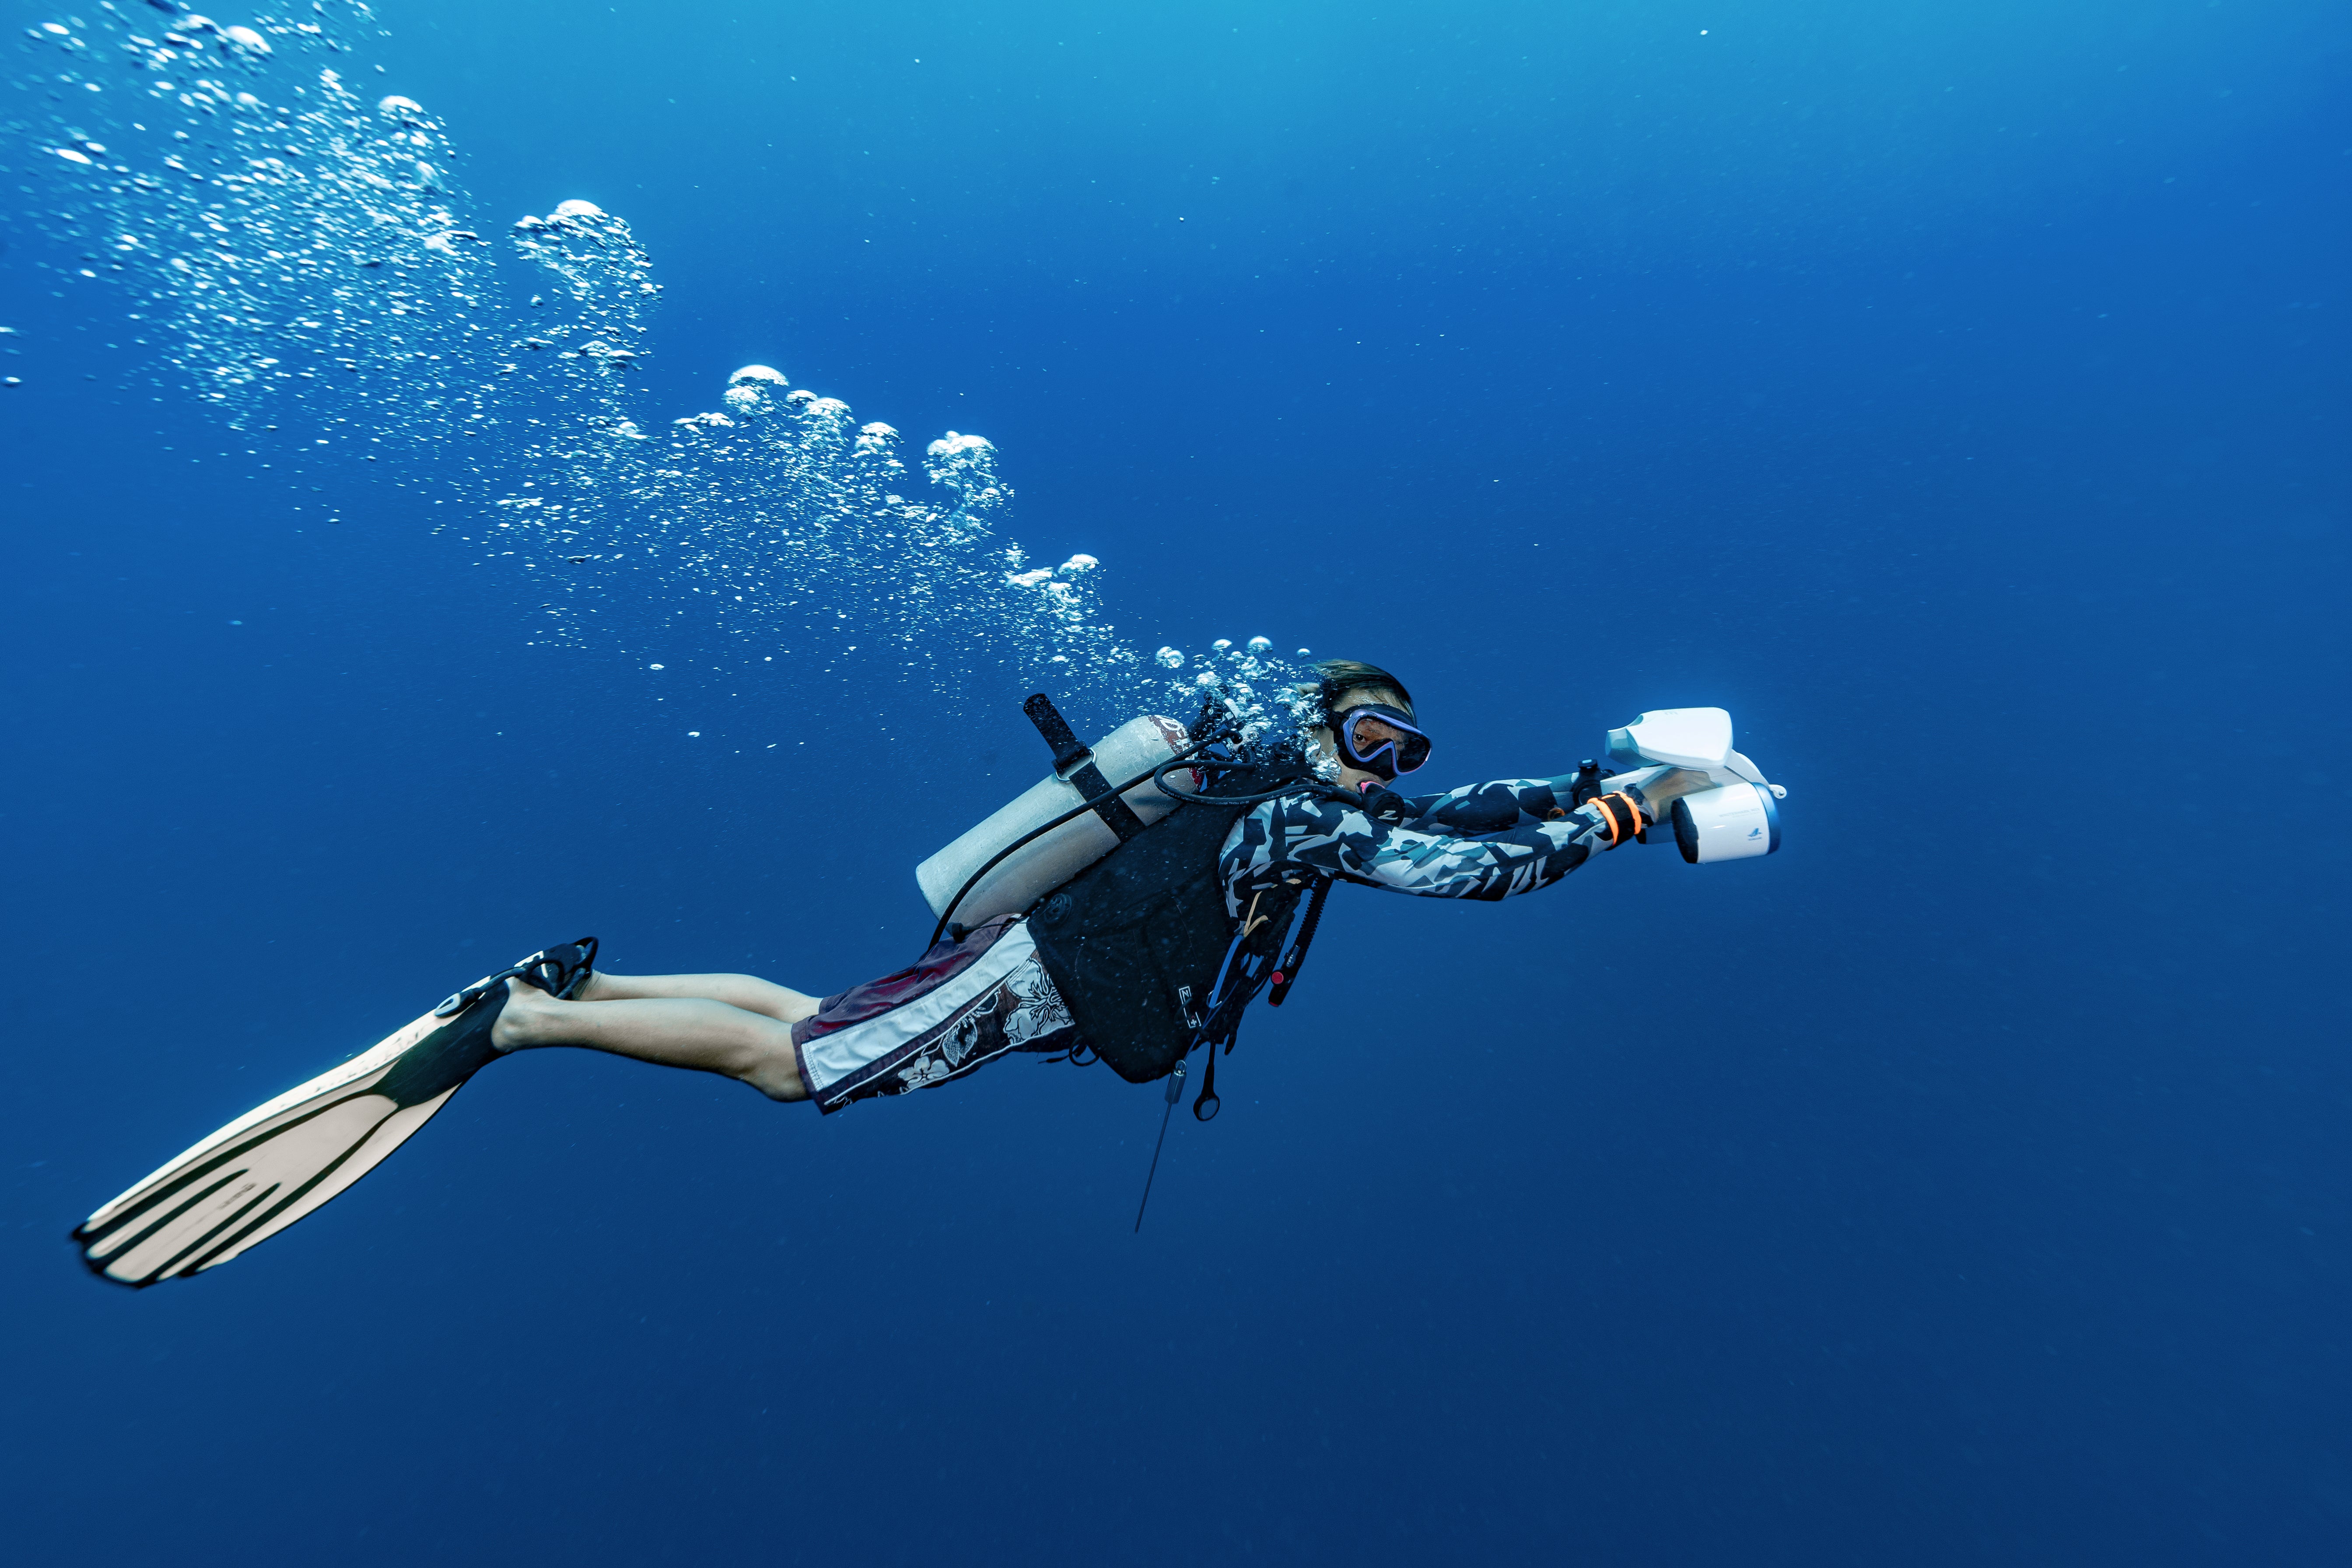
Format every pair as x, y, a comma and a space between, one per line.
1175, 1092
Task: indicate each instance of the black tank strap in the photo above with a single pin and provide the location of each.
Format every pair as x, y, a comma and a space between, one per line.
1074, 761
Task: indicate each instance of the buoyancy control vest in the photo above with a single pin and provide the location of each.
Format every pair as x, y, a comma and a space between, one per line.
1137, 942
1140, 944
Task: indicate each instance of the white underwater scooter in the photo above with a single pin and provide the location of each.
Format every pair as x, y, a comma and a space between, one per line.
1735, 820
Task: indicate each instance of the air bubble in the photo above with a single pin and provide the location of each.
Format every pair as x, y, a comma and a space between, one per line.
771, 516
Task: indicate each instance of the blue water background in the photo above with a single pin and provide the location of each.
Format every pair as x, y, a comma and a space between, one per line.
1957, 395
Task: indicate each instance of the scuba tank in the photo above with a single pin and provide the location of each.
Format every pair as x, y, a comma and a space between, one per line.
1082, 775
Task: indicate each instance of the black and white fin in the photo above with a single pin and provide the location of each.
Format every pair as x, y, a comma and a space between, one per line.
279, 1161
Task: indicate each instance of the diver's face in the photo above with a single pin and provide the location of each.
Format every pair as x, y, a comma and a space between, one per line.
1353, 779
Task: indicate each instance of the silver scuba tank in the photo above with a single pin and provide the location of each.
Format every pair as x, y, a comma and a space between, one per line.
1129, 753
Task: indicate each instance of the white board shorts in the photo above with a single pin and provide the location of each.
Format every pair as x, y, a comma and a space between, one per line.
961, 1004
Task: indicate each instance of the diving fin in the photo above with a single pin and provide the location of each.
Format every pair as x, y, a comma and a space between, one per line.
278, 1162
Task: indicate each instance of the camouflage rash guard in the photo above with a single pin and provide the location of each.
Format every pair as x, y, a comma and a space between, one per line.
1481, 841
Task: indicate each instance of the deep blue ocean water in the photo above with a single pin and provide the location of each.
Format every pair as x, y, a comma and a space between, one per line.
1957, 395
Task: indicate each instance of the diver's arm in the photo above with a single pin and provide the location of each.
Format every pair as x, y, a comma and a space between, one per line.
1334, 838
1501, 805
1494, 807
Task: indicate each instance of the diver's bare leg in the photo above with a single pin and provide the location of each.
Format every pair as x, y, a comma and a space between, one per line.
748, 992
678, 1031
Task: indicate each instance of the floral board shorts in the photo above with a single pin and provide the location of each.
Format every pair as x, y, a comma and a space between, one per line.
959, 1005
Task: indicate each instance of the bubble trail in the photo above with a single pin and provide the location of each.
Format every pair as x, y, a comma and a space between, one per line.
303, 260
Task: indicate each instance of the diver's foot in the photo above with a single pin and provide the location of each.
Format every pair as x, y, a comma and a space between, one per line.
523, 1021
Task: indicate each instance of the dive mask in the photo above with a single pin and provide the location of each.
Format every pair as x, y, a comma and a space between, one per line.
1378, 739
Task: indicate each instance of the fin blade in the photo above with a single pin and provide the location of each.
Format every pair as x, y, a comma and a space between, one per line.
295, 1157
388, 1134
282, 1158
355, 1075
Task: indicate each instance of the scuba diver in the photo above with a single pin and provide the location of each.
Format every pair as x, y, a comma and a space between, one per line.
1021, 982
1149, 952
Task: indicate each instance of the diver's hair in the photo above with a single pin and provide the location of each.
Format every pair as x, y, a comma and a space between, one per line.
1341, 676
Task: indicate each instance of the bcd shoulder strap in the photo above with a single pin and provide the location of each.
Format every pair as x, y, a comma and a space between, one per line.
1074, 761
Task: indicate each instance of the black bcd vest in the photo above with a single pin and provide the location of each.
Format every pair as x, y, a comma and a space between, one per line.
1137, 942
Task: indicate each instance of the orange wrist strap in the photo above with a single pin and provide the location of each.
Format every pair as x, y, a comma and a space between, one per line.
1623, 817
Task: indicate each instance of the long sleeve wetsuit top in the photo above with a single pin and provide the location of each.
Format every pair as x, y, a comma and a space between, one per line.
1481, 841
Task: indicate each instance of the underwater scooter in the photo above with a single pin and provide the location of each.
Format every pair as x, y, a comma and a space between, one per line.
1738, 818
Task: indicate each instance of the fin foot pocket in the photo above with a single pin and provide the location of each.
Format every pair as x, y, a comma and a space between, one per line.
558, 971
